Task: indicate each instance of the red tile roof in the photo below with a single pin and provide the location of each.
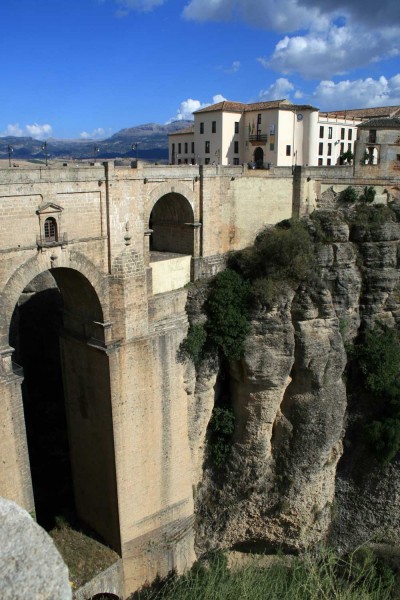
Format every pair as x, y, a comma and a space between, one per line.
183, 131
240, 107
364, 113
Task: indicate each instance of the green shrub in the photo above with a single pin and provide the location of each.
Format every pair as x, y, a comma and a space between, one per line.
368, 195
384, 438
227, 309
192, 346
222, 426
379, 360
379, 363
349, 195
370, 217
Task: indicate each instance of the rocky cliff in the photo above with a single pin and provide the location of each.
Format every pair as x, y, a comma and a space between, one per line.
299, 472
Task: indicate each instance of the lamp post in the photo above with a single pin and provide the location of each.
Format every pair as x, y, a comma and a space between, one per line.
217, 154
135, 148
10, 151
44, 148
96, 150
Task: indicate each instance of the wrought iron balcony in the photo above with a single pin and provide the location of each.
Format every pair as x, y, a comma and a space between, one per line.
258, 137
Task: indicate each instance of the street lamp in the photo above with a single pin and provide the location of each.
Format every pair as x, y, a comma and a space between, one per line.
44, 148
135, 148
96, 150
10, 151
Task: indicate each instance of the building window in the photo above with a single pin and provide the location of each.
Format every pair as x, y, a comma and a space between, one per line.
350, 134
372, 136
349, 146
330, 132
288, 148
186, 147
258, 119
207, 148
201, 127
236, 147
398, 157
173, 151
342, 132
236, 160
192, 162
185, 161
179, 161
320, 148
50, 230
236, 126
179, 148
320, 162
192, 147
328, 162
341, 148
329, 149
207, 161
321, 131
272, 147
214, 127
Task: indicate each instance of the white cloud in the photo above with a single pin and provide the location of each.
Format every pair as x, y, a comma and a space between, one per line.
39, 131
335, 51
278, 90
234, 68
357, 93
35, 130
13, 130
333, 36
187, 108
127, 6
278, 15
92, 135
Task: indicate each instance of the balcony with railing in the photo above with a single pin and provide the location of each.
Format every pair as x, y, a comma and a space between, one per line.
258, 137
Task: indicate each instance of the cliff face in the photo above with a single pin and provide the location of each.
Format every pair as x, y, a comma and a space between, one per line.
298, 472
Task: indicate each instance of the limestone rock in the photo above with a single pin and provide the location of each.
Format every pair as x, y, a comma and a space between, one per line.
298, 474
31, 567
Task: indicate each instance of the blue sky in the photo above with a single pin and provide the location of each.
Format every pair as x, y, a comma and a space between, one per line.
88, 68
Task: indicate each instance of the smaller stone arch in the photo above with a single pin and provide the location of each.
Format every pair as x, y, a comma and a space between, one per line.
172, 224
173, 187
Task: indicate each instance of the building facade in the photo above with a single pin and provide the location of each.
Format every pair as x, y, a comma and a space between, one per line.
270, 134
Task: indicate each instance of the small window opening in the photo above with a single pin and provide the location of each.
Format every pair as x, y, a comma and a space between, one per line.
50, 230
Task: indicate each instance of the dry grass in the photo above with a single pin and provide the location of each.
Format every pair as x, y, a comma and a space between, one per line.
84, 556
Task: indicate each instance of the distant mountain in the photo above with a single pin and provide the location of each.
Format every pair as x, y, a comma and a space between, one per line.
152, 140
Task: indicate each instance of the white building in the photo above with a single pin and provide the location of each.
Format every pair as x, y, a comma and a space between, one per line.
276, 133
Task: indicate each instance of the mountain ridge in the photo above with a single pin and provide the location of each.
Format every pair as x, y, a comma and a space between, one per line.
151, 138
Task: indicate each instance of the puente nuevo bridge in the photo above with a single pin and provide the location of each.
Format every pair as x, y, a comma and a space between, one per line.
121, 243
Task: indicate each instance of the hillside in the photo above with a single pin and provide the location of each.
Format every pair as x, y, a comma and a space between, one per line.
152, 142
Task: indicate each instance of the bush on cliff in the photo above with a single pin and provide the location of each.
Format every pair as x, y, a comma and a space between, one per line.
378, 358
281, 258
227, 309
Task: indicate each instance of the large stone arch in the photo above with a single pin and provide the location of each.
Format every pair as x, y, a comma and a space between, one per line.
86, 376
40, 263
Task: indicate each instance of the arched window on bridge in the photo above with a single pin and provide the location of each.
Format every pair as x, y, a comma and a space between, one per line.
172, 224
50, 230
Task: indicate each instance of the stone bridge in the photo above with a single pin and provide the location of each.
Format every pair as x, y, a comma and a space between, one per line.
118, 245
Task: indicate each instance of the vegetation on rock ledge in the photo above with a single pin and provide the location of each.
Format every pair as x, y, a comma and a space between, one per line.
358, 576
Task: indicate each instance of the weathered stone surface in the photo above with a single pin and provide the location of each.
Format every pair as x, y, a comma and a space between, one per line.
298, 474
31, 567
